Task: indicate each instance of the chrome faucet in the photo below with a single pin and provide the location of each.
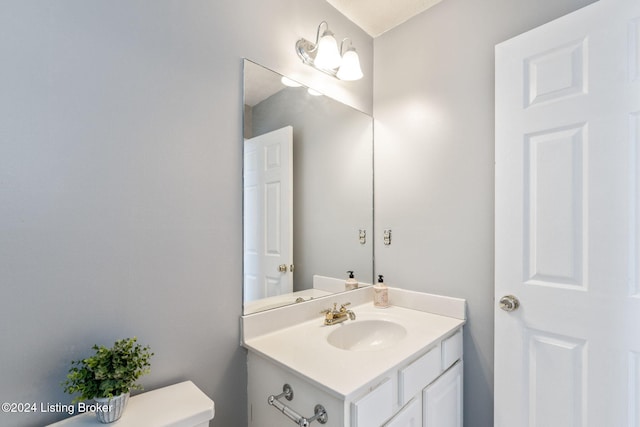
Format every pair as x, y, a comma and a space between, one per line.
334, 316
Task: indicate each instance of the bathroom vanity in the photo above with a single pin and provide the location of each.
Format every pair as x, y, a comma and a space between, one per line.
396, 367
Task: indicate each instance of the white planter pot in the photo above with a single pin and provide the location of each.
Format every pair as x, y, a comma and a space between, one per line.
108, 409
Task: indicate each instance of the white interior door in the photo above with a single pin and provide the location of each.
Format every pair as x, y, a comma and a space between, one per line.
568, 221
268, 221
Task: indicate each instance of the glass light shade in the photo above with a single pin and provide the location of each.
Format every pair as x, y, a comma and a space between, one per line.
350, 68
328, 56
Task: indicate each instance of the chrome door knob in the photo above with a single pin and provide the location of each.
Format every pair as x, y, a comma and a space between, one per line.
509, 303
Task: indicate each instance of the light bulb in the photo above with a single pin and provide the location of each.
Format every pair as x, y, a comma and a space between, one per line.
328, 56
350, 68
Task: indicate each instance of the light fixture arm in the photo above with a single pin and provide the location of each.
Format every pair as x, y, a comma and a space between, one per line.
318, 33
342, 45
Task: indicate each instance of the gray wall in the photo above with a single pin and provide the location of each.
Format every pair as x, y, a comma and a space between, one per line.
121, 183
434, 110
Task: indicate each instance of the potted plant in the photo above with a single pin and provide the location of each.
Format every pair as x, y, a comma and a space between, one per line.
108, 376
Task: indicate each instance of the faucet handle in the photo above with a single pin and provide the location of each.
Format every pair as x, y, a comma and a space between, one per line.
329, 310
342, 306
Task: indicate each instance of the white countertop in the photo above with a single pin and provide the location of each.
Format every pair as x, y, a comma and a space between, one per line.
303, 347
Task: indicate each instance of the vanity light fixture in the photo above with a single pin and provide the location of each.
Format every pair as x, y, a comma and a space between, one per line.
325, 56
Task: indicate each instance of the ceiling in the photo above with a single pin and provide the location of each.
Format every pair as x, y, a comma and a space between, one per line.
378, 16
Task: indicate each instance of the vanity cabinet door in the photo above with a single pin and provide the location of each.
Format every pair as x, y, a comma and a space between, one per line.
374, 408
442, 400
451, 350
415, 377
410, 416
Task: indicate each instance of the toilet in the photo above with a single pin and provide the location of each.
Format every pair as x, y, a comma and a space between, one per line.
178, 405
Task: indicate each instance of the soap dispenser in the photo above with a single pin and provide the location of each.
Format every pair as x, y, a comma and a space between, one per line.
351, 282
380, 294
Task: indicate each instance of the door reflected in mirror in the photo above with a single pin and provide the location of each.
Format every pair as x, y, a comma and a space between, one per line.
308, 192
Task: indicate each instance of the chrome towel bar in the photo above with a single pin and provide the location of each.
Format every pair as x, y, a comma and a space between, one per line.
320, 414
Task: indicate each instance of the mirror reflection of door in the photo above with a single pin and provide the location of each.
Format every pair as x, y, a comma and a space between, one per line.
268, 222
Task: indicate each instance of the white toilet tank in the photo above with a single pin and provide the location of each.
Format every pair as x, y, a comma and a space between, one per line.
178, 405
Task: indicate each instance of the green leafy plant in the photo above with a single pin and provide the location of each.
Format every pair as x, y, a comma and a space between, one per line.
110, 371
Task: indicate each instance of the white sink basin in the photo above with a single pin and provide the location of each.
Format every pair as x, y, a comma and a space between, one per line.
366, 335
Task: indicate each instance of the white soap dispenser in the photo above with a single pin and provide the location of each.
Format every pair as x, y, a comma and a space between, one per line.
351, 282
380, 294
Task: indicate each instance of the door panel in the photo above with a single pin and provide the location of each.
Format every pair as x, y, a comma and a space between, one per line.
556, 74
442, 400
568, 221
554, 205
566, 357
634, 191
634, 388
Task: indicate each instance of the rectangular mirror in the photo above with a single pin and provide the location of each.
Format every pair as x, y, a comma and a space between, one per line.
308, 192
